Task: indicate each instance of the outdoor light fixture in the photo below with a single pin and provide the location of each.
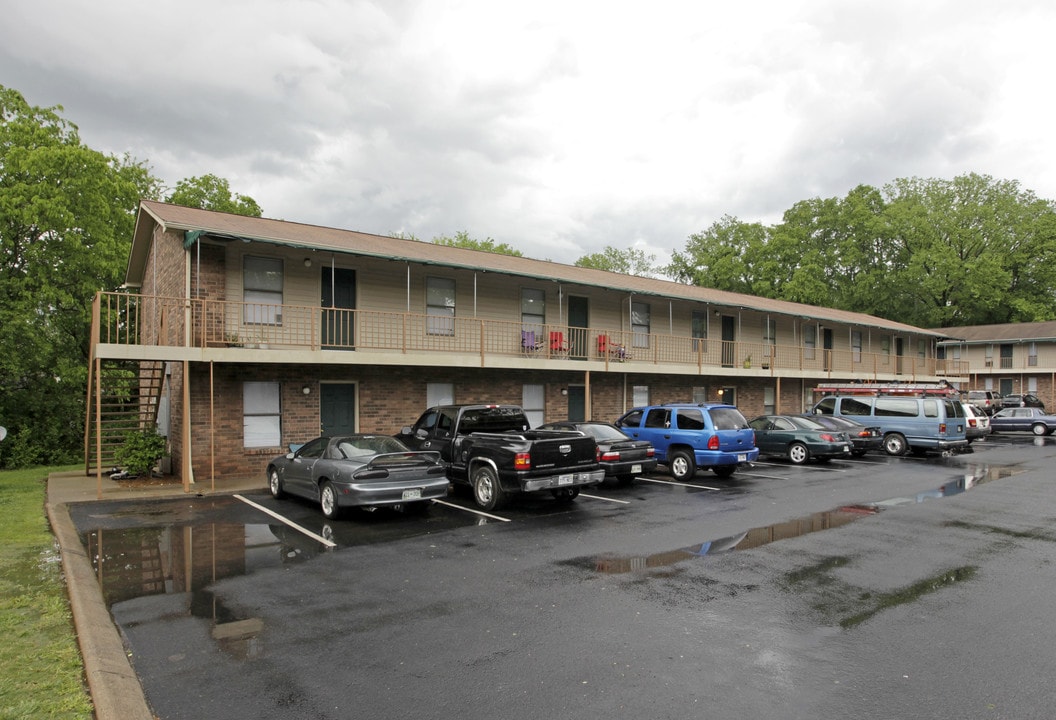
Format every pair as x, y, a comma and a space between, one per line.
307, 262
564, 391
306, 390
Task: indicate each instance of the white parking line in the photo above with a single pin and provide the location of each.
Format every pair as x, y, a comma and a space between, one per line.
612, 500
471, 510
295, 526
679, 484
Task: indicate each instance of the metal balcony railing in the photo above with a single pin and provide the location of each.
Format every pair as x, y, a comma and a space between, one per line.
126, 319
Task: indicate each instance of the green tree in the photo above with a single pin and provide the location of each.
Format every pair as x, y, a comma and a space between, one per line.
631, 261
463, 240
66, 219
724, 257
210, 192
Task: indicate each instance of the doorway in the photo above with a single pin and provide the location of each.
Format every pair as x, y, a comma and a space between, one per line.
577, 403
337, 408
578, 322
826, 347
339, 300
729, 337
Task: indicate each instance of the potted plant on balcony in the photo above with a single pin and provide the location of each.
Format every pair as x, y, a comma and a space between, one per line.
748, 361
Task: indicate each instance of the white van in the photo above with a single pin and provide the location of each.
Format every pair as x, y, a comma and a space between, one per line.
907, 423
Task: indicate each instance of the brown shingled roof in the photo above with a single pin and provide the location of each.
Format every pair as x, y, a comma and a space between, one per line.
1005, 332
281, 232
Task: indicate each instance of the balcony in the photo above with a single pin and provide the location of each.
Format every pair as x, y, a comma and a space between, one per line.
131, 326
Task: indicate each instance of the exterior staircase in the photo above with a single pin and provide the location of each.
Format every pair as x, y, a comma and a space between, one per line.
123, 397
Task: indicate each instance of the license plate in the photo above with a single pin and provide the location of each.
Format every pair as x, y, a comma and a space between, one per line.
564, 479
413, 494
636, 468
742, 458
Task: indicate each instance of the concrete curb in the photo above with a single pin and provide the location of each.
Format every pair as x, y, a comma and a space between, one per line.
113, 684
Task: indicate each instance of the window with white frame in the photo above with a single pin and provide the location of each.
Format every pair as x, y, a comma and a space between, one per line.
810, 341
1032, 385
640, 322
261, 415
640, 395
700, 394
261, 290
700, 332
440, 305
1032, 355
856, 346
439, 394
922, 349
988, 355
533, 402
885, 345
769, 400
533, 308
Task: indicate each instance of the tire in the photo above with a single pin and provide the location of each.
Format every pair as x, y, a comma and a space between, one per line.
275, 484
1039, 429
724, 471
487, 492
624, 480
328, 501
798, 454
683, 466
565, 495
895, 444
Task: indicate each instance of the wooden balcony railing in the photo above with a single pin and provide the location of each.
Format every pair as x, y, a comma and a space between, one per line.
126, 319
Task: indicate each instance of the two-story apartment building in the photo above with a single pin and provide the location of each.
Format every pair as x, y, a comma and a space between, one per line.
1010, 358
238, 336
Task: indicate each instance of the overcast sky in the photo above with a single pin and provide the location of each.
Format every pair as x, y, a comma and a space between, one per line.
557, 127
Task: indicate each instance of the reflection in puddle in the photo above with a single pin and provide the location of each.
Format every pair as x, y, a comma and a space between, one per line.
186, 561
974, 476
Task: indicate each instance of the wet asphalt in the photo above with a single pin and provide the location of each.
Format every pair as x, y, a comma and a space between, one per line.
868, 588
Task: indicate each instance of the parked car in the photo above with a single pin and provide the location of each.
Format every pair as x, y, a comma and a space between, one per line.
688, 436
354, 470
622, 457
986, 400
977, 422
864, 438
1027, 400
798, 438
907, 423
1023, 419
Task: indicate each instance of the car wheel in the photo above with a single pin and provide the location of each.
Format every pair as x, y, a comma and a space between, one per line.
565, 494
724, 471
275, 484
683, 466
798, 453
895, 444
328, 501
1039, 429
624, 480
487, 492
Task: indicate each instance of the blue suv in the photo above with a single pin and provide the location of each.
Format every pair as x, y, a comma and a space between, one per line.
688, 436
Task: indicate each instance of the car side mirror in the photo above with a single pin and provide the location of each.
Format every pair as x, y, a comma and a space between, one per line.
421, 434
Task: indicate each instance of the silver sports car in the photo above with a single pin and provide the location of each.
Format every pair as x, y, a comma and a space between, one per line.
355, 470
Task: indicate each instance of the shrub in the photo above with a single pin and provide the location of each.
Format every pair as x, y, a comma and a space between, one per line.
140, 452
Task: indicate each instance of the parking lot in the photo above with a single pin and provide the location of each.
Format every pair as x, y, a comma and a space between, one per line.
871, 587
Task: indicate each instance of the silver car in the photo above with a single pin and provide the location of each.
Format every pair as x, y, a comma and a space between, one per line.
357, 470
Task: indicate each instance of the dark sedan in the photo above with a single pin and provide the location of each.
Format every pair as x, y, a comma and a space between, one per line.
621, 456
798, 438
863, 439
356, 470
1023, 419
1028, 400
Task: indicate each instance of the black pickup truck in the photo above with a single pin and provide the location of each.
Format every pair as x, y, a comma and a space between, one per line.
492, 449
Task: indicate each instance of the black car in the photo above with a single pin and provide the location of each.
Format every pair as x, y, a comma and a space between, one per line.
621, 457
863, 438
1028, 400
798, 438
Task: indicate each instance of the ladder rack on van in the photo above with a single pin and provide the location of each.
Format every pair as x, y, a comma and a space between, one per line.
939, 389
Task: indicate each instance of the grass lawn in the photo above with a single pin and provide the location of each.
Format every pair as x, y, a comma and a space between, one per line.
41, 673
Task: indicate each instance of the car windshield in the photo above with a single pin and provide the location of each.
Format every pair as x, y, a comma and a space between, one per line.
363, 446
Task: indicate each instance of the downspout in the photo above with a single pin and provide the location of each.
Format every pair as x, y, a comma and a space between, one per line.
187, 454
408, 287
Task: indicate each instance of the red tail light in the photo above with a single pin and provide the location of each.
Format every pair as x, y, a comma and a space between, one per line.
828, 438
713, 442
610, 456
651, 452
971, 422
942, 428
522, 461
864, 433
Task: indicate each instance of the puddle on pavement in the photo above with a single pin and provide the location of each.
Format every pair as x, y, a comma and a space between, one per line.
973, 476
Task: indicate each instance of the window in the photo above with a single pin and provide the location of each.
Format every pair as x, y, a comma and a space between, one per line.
769, 400
770, 332
989, 355
640, 324
856, 346
533, 309
810, 341
700, 394
1032, 355
440, 306
261, 426
640, 395
439, 394
262, 290
658, 418
700, 332
922, 348
690, 419
885, 345
853, 406
533, 402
